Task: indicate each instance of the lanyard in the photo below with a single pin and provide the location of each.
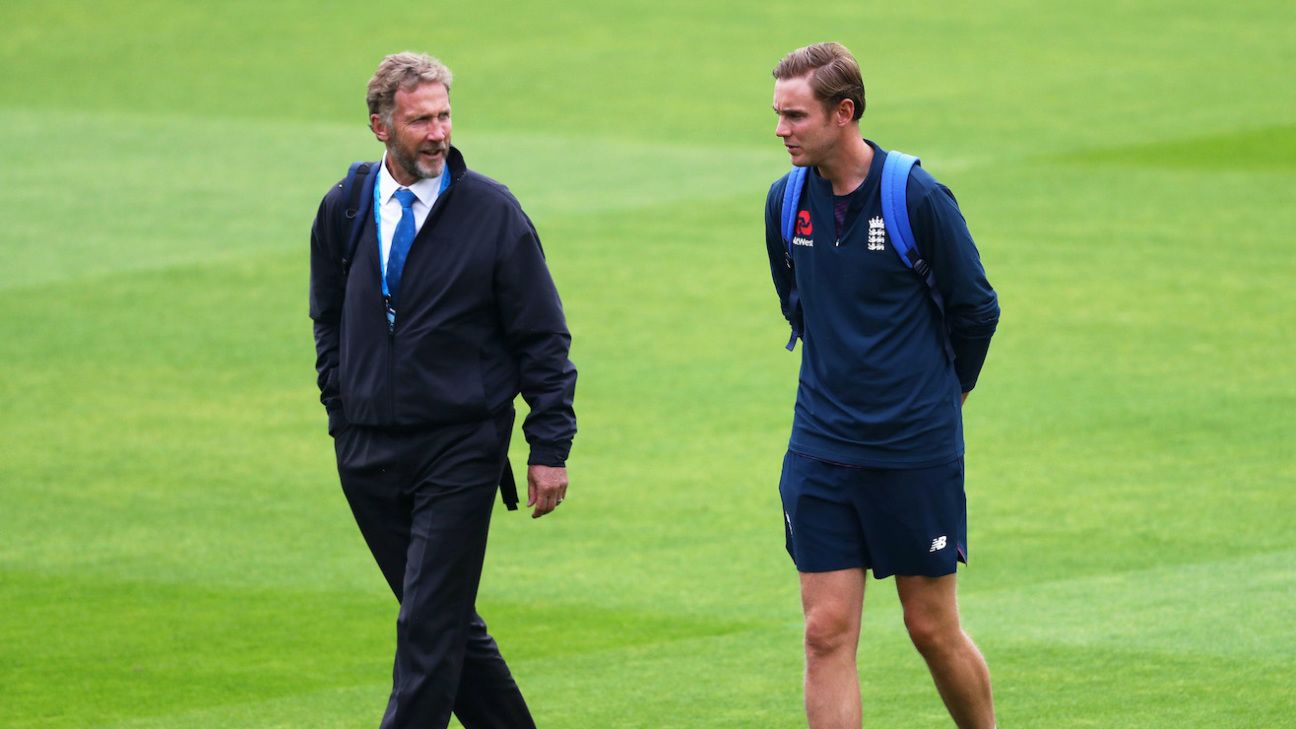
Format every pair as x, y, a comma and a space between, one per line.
377, 207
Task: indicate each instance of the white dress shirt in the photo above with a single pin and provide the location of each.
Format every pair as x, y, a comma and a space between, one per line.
425, 193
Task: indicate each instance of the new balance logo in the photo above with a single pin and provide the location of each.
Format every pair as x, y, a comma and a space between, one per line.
877, 234
937, 544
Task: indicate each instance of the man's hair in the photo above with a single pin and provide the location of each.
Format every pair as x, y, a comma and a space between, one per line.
406, 70
834, 74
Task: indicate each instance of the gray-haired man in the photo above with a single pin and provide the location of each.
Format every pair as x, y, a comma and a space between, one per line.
445, 313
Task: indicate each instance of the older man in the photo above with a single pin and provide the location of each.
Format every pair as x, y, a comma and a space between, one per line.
433, 310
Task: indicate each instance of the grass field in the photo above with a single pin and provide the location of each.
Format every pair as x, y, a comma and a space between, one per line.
175, 551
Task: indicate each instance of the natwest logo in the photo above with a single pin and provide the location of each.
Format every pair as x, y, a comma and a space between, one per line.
803, 223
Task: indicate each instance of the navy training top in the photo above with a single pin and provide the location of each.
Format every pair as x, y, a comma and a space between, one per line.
877, 388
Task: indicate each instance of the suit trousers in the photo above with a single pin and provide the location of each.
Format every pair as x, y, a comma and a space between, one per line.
422, 498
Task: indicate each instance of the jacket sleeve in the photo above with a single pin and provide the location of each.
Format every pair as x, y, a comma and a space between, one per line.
535, 328
780, 266
326, 293
971, 306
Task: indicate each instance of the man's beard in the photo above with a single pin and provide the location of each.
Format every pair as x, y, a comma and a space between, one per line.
412, 167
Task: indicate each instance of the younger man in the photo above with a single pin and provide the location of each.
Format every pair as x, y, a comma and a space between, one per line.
873, 476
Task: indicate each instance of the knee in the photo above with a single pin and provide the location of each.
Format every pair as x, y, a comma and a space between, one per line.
827, 634
931, 634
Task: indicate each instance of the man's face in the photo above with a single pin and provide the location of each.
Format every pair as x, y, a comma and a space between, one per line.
807, 130
418, 139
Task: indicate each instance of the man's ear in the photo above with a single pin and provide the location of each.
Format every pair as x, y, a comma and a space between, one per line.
844, 112
378, 128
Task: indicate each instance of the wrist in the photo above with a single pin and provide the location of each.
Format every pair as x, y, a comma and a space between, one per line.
547, 456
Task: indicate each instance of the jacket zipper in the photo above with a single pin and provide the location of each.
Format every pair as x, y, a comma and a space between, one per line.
391, 375
433, 215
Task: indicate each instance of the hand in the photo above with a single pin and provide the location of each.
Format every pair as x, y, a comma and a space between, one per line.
546, 488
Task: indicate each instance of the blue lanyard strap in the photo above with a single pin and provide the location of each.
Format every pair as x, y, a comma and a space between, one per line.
377, 206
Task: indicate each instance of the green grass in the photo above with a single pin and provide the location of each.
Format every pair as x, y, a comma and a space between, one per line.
175, 552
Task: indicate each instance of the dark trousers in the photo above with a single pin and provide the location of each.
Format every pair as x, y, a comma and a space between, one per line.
423, 500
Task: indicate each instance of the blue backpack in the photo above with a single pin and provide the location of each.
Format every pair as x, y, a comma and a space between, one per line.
895, 211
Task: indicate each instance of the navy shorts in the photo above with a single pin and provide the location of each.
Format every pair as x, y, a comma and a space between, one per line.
894, 522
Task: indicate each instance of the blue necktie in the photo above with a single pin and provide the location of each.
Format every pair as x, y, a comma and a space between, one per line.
402, 238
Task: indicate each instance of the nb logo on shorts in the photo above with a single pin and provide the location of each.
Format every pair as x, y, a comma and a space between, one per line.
937, 544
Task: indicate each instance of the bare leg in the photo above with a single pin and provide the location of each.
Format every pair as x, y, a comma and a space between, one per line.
832, 602
957, 667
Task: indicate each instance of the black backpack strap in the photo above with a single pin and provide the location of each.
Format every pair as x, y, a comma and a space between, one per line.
352, 188
508, 487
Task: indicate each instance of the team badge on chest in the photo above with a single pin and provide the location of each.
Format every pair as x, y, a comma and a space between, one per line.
877, 234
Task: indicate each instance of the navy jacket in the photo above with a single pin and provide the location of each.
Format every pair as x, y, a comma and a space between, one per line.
478, 322
877, 388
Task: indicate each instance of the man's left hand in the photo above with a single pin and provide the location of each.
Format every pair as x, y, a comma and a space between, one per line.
546, 488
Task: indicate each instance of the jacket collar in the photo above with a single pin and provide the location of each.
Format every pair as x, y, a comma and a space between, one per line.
455, 163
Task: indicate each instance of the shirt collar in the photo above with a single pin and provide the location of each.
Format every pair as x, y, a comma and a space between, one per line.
425, 189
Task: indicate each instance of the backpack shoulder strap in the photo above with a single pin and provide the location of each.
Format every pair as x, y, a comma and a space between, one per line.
791, 201
895, 211
787, 226
352, 193
895, 208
